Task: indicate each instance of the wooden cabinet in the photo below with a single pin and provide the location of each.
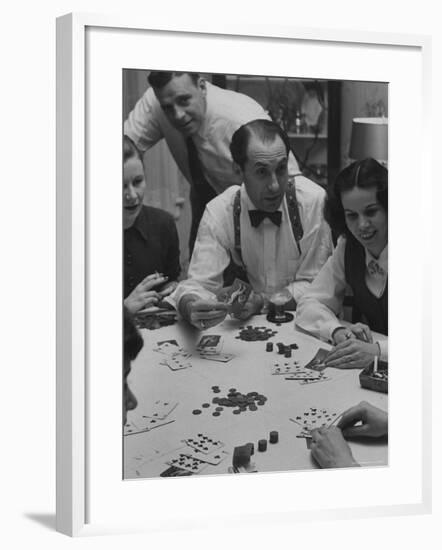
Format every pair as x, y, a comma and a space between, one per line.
309, 110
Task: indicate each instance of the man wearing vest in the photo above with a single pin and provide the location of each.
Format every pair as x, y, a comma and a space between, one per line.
274, 230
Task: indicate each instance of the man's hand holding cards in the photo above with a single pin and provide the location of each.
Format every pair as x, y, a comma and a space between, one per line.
202, 314
242, 302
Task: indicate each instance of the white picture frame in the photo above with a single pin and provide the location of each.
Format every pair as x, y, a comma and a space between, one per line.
90, 51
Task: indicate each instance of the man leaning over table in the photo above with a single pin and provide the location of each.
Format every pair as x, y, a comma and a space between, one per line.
197, 120
283, 239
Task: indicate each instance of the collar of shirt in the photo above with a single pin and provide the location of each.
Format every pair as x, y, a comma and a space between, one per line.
208, 115
248, 204
382, 261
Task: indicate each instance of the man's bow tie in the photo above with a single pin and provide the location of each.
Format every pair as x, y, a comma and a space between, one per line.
256, 217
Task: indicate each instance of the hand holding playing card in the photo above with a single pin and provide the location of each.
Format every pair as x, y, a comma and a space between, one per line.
204, 314
330, 450
240, 299
251, 307
372, 422
352, 354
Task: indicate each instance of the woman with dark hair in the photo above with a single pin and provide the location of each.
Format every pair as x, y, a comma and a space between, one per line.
357, 211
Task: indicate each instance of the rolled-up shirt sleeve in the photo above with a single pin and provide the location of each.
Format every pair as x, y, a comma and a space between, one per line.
143, 124
209, 259
319, 307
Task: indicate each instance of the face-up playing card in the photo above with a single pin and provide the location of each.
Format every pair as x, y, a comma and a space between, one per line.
204, 443
314, 418
293, 369
176, 363
160, 409
317, 363
210, 344
173, 342
221, 357
188, 463
322, 378
214, 458
174, 471
236, 296
170, 348
139, 424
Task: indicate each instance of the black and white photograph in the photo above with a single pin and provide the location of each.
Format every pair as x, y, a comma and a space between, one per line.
255, 269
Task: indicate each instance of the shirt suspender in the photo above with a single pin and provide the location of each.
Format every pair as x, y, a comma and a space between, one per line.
293, 210
237, 224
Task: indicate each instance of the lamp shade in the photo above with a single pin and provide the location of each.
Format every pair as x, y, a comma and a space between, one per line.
369, 138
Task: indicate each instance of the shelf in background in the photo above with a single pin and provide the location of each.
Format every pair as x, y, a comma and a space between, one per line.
306, 136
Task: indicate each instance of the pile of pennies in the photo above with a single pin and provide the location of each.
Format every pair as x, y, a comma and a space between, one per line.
254, 334
239, 402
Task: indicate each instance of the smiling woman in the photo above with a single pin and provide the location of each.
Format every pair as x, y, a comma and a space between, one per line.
151, 249
357, 211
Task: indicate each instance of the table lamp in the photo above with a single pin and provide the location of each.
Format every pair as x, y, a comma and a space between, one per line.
369, 138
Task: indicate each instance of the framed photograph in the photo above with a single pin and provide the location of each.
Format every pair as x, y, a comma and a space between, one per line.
102, 64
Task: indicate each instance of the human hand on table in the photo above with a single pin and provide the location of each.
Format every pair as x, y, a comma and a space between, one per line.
142, 295
203, 314
374, 421
352, 354
330, 450
360, 331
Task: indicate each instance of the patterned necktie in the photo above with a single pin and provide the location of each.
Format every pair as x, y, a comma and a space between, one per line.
256, 217
374, 269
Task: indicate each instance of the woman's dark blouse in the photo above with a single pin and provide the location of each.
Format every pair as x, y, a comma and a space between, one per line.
150, 245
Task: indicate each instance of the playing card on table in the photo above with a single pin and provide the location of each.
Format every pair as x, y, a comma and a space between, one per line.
204, 443
317, 363
160, 409
214, 458
172, 342
210, 344
139, 424
169, 349
291, 368
176, 363
188, 463
130, 427
221, 357
174, 471
322, 378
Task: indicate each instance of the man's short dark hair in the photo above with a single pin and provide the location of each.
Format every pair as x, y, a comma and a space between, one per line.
365, 174
133, 342
130, 150
266, 130
158, 79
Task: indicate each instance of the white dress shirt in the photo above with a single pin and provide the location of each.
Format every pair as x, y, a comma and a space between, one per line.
270, 255
226, 111
319, 308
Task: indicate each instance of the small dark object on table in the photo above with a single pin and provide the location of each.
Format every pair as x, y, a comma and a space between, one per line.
376, 381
